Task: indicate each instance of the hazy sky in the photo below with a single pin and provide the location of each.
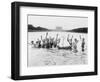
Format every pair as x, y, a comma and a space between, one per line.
51, 22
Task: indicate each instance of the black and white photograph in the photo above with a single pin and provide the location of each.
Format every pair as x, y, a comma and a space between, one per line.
53, 40
57, 40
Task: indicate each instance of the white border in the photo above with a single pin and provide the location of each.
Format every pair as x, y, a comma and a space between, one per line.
24, 70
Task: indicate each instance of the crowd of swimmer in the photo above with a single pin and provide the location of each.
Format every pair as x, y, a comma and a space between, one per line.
54, 43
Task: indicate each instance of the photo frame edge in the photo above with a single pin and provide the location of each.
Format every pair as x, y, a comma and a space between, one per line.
15, 42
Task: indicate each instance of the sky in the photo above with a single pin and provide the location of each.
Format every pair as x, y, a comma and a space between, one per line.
51, 22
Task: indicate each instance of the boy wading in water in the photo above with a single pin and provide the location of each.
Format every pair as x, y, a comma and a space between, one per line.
32, 43
83, 44
74, 44
70, 42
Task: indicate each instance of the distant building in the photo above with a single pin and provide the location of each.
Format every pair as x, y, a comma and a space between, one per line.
59, 28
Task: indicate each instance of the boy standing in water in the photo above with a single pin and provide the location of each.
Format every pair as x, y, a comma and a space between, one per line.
83, 44
70, 41
74, 45
32, 43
